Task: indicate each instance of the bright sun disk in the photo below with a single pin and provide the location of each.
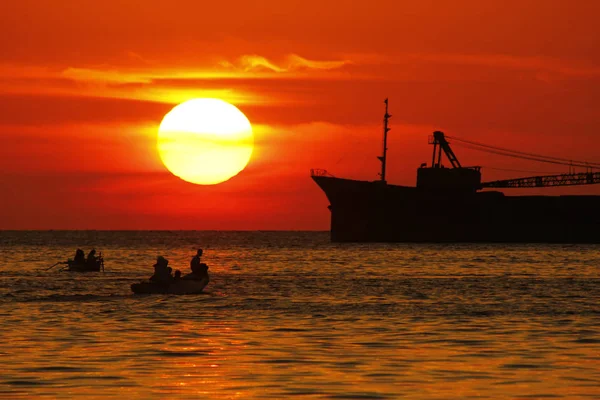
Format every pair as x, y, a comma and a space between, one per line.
205, 141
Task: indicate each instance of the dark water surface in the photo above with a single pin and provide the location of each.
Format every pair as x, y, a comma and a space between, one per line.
288, 314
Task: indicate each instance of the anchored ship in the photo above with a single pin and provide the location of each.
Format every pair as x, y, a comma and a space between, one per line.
448, 204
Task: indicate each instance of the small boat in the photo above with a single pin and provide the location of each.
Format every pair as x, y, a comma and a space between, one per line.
80, 264
97, 266
180, 286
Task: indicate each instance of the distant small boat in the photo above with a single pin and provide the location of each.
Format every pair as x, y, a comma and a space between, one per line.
97, 266
181, 286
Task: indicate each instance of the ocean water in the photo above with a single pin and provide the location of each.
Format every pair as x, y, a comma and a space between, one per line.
291, 315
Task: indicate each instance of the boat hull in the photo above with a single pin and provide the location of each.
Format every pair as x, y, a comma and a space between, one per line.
181, 286
364, 211
85, 267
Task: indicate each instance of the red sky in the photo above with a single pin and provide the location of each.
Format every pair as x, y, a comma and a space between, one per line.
84, 86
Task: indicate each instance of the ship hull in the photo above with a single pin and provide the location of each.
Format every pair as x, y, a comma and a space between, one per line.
364, 211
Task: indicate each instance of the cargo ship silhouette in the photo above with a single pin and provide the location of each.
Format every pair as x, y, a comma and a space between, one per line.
447, 204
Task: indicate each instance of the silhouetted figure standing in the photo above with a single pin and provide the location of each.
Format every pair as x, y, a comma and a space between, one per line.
195, 263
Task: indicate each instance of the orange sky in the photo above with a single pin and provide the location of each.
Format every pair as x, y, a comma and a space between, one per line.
84, 86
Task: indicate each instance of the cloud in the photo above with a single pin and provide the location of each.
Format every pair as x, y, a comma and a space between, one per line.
176, 85
248, 63
297, 62
254, 63
105, 75
291, 63
42, 110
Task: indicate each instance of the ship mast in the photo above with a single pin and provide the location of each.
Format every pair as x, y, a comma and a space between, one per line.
383, 158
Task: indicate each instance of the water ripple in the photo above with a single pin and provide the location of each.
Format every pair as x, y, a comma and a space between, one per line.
289, 314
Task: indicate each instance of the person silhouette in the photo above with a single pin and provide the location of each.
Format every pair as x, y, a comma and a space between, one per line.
79, 257
195, 263
199, 270
91, 258
162, 272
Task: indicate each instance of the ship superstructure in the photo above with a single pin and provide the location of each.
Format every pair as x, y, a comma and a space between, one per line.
448, 205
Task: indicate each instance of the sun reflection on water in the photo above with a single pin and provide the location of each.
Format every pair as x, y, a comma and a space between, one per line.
307, 321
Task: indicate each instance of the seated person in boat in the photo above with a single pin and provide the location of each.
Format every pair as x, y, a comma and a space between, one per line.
91, 258
162, 272
177, 275
79, 257
199, 270
198, 273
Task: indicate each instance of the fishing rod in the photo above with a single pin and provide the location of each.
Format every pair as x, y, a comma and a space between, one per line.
60, 262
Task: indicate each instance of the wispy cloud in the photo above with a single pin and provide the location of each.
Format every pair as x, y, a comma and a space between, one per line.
291, 63
167, 84
253, 63
244, 67
105, 75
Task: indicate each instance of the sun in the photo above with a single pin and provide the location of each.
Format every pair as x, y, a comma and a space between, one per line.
205, 141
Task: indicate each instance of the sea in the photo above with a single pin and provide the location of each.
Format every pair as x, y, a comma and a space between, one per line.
292, 315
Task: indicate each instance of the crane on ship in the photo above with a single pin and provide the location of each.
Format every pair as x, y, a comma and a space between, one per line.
440, 143
458, 177
589, 177
461, 178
